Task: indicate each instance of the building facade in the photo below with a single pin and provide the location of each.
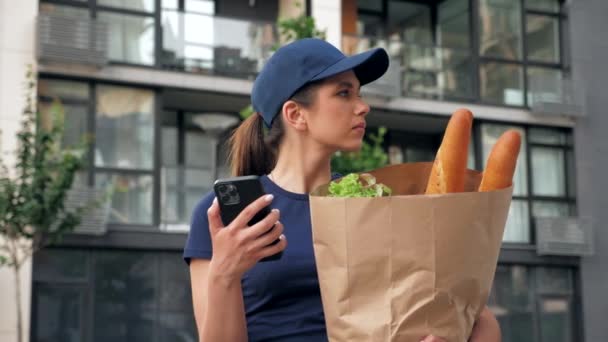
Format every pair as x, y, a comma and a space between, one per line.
160, 83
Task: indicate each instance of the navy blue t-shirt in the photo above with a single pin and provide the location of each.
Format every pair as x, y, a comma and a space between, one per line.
282, 298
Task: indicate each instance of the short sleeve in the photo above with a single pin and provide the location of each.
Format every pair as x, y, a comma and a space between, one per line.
198, 244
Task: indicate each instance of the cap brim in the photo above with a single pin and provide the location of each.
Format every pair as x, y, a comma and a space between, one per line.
368, 66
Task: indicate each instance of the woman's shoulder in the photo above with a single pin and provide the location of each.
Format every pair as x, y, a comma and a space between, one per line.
205, 202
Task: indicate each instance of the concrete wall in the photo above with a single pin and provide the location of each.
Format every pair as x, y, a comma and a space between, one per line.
17, 30
328, 17
589, 50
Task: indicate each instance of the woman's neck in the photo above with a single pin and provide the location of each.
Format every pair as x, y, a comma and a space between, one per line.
301, 169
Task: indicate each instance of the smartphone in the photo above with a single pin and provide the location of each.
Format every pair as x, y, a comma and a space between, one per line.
234, 194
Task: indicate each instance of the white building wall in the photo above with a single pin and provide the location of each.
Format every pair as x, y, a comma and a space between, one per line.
328, 17
17, 29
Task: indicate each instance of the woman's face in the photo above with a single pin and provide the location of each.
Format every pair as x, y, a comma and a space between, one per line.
336, 119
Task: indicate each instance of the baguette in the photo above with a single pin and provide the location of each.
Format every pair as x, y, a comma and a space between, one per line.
448, 172
502, 160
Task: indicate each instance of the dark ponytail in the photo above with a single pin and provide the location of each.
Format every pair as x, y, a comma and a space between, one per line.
253, 149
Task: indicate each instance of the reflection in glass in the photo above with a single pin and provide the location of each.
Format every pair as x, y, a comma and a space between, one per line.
500, 29
453, 24
69, 264
75, 122
555, 320
63, 89
517, 228
548, 171
210, 44
131, 197
512, 303
543, 5
554, 280
59, 313
125, 128
542, 38
131, 37
550, 209
139, 5
437, 72
548, 136
501, 83
545, 85
68, 11
126, 294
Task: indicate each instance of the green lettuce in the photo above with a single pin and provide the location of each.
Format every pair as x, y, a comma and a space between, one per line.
358, 185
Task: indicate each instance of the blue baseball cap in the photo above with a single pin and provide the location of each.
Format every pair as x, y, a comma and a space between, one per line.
306, 60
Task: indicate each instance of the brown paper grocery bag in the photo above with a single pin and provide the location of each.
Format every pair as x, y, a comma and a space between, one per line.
401, 267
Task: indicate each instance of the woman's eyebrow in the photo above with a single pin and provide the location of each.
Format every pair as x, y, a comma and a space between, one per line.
346, 84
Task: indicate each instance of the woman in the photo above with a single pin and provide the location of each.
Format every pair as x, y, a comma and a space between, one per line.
308, 98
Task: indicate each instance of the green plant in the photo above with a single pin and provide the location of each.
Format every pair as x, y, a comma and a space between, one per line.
32, 196
291, 29
371, 156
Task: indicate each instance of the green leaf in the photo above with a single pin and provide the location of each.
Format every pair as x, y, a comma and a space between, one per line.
355, 185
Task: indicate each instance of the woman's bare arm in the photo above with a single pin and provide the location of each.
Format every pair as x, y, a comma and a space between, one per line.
218, 304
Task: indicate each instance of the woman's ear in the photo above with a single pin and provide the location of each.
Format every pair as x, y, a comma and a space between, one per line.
293, 115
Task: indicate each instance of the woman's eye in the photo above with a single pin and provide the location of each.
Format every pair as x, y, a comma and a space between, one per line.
343, 93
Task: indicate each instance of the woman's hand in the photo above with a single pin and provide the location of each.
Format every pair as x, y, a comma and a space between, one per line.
486, 328
238, 247
432, 338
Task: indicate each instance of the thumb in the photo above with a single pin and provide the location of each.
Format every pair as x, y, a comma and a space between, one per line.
215, 220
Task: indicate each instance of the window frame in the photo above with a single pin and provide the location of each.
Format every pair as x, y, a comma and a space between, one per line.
91, 170
477, 59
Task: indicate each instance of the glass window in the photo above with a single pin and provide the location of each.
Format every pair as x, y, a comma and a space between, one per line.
63, 89
126, 294
543, 5
500, 29
68, 11
370, 5
200, 149
544, 85
555, 320
75, 121
502, 83
139, 5
125, 128
532, 302
411, 21
550, 209
67, 265
554, 280
169, 145
512, 288
453, 24
131, 37
175, 301
547, 136
517, 228
60, 312
489, 135
542, 37
170, 4
200, 6
548, 171
571, 168
131, 197
455, 78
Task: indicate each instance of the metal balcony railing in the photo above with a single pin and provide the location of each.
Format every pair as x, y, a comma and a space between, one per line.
68, 39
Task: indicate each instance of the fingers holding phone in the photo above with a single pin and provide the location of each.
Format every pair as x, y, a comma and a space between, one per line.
243, 229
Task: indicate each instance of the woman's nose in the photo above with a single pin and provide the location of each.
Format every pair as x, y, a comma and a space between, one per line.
362, 107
